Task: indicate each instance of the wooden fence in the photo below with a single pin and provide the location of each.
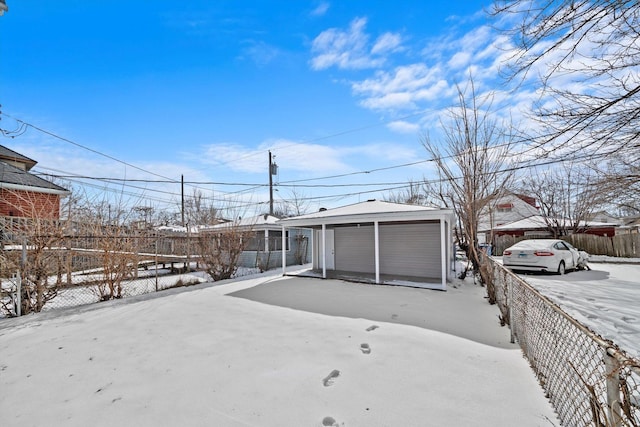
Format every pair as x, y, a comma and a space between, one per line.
623, 246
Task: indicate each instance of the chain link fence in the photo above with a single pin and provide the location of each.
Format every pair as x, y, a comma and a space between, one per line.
84, 271
589, 380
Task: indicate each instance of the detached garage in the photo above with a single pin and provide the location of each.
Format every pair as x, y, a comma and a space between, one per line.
383, 242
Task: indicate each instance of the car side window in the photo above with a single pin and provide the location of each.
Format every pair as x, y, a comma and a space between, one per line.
561, 246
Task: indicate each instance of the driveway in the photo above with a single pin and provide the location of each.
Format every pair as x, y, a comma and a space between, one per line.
461, 310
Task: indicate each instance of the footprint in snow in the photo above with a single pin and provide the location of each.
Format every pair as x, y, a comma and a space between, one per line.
329, 379
329, 421
364, 347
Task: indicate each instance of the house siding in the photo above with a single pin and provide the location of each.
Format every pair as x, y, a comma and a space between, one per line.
298, 249
29, 204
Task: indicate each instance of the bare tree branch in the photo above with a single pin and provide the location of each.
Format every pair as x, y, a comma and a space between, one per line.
585, 55
470, 161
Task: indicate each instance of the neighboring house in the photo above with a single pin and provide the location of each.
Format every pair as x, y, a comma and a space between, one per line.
537, 226
603, 216
630, 225
383, 242
23, 194
504, 210
264, 250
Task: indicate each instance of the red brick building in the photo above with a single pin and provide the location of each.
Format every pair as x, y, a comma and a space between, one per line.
23, 194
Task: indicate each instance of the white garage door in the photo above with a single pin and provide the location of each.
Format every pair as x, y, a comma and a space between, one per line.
411, 249
355, 250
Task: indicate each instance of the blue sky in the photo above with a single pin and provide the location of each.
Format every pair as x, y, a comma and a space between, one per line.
155, 90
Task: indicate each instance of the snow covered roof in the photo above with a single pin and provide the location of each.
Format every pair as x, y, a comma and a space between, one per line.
259, 221
369, 211
538, 221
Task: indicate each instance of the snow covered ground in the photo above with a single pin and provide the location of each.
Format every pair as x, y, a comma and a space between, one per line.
199, 357
606, 299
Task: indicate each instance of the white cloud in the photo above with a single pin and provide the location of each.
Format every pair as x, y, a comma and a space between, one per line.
350, 49
304, 157
321, 9
388, 42
260, 52
402, 88
476, 39
459, 60
404, 78
290, 155
429, 84
402, 126
390, 101
233, 156
308, 159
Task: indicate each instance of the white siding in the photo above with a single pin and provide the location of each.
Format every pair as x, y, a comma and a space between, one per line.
354, 248
411, 249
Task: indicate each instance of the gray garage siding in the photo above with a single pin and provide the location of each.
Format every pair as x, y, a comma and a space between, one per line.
354, 249
411, 249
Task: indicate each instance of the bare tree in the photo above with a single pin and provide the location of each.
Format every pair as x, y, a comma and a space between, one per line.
220, 250
295, 205
619, 181
112, 244
585, 55
413, 194
567, 196
37, 236
470, 162
199, 210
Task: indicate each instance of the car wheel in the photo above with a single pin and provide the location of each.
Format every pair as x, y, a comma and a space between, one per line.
561, 268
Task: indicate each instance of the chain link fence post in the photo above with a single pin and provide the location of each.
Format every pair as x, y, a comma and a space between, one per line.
512, 320
156, 266
18, 294
612, 367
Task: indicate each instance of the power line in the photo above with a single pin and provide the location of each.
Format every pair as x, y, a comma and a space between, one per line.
353, 130
84, 147
389, 186
392, 186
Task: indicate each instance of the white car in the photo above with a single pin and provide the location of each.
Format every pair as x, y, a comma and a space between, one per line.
544, 255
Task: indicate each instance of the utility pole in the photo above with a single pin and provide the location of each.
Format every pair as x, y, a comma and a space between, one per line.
270, 185
273, 170
182, 195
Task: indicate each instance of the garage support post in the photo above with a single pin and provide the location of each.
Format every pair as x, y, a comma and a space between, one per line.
324, 251
284, 252
376, 232
443, 253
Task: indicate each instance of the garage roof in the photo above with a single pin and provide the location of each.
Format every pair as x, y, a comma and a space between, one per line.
369, 211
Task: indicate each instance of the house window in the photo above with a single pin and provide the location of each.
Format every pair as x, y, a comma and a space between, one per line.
275, 240
504, 207
256, 242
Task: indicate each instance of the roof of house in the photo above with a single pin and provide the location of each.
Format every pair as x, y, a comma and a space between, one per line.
631, 221
369, 211
12, 156
538, 222
14, 178
259, 221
